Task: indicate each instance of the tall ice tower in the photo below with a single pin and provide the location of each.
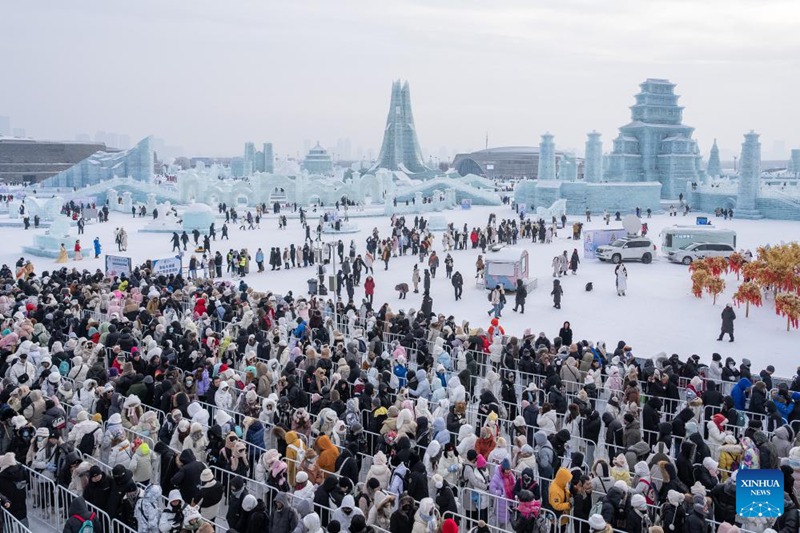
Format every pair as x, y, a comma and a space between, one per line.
400, 149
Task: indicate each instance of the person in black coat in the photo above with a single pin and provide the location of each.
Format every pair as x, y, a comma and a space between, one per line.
758, 400
458, 284
696, 520
615, 508
651, 416
255, 520
121, 477
322, 499
724, 498
347, 466
520, 296
701, 448
789, 521
582, 503
187, 479
685, 462
13, 486
98, 489
728, 316
445, 499
78, 514
402, 520
236, 496
566, 334
418, 481
614, 434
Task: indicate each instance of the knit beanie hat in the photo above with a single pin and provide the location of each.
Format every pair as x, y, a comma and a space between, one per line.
675, 498
249, 503
638, 502
597, 523
699, 503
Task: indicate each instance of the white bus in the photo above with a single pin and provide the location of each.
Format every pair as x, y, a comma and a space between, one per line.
676, 237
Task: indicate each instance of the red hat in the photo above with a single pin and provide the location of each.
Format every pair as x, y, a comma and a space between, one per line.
449, 526
223, 367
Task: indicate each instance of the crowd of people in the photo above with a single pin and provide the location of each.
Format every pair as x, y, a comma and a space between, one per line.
177, 405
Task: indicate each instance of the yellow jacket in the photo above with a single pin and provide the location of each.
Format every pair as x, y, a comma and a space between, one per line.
559, 494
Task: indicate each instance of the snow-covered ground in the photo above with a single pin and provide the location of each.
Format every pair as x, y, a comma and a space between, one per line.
659, 313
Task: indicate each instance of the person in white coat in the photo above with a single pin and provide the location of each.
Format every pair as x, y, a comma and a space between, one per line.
78, 371
621, 274
85, 425
379, 470
223, 398
21, 367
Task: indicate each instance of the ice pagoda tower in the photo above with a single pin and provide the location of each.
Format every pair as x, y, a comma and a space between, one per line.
656, 146
749, 177
400, 149
547, 158
594, 158
713, 169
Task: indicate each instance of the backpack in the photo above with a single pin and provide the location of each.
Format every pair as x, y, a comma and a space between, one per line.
63, 367
301, 453
87, 444
650, 494
489, 296
87, 526
541, 524
589, 287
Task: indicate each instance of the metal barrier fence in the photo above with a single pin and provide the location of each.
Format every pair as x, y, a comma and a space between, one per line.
10, 523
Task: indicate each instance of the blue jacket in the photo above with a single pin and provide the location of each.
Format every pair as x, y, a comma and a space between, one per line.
739, 394
255, 436
400, 372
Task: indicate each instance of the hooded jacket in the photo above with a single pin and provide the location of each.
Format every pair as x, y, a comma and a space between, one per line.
328, 453
285, 519
79, 513
148, 510
187, 479
739, 394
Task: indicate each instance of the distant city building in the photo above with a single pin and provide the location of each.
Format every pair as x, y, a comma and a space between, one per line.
400, 148
269, 158
318, 161
257, 161
5, 126
249, 159
31, 161
656, 146
136, 163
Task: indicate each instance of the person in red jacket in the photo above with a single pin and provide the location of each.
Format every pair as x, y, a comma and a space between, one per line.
369, 288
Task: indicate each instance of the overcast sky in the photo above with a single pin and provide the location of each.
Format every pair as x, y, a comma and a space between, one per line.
209, 75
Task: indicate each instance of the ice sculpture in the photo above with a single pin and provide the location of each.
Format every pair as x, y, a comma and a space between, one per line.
136, 163
594, 158
198, 217
400, 149
48, 244
713, 169
749, 177
547, 158
656, 145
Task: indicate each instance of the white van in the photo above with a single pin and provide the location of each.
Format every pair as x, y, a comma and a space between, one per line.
677, 237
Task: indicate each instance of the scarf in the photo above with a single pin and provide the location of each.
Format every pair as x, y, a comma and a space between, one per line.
508, 484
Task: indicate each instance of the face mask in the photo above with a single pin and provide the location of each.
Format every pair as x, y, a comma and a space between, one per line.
189, 382
732, 365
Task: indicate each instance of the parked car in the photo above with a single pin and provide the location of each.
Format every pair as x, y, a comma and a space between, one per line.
700, 250
627, 249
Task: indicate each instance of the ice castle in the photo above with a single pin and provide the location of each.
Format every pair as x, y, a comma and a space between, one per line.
654, 157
